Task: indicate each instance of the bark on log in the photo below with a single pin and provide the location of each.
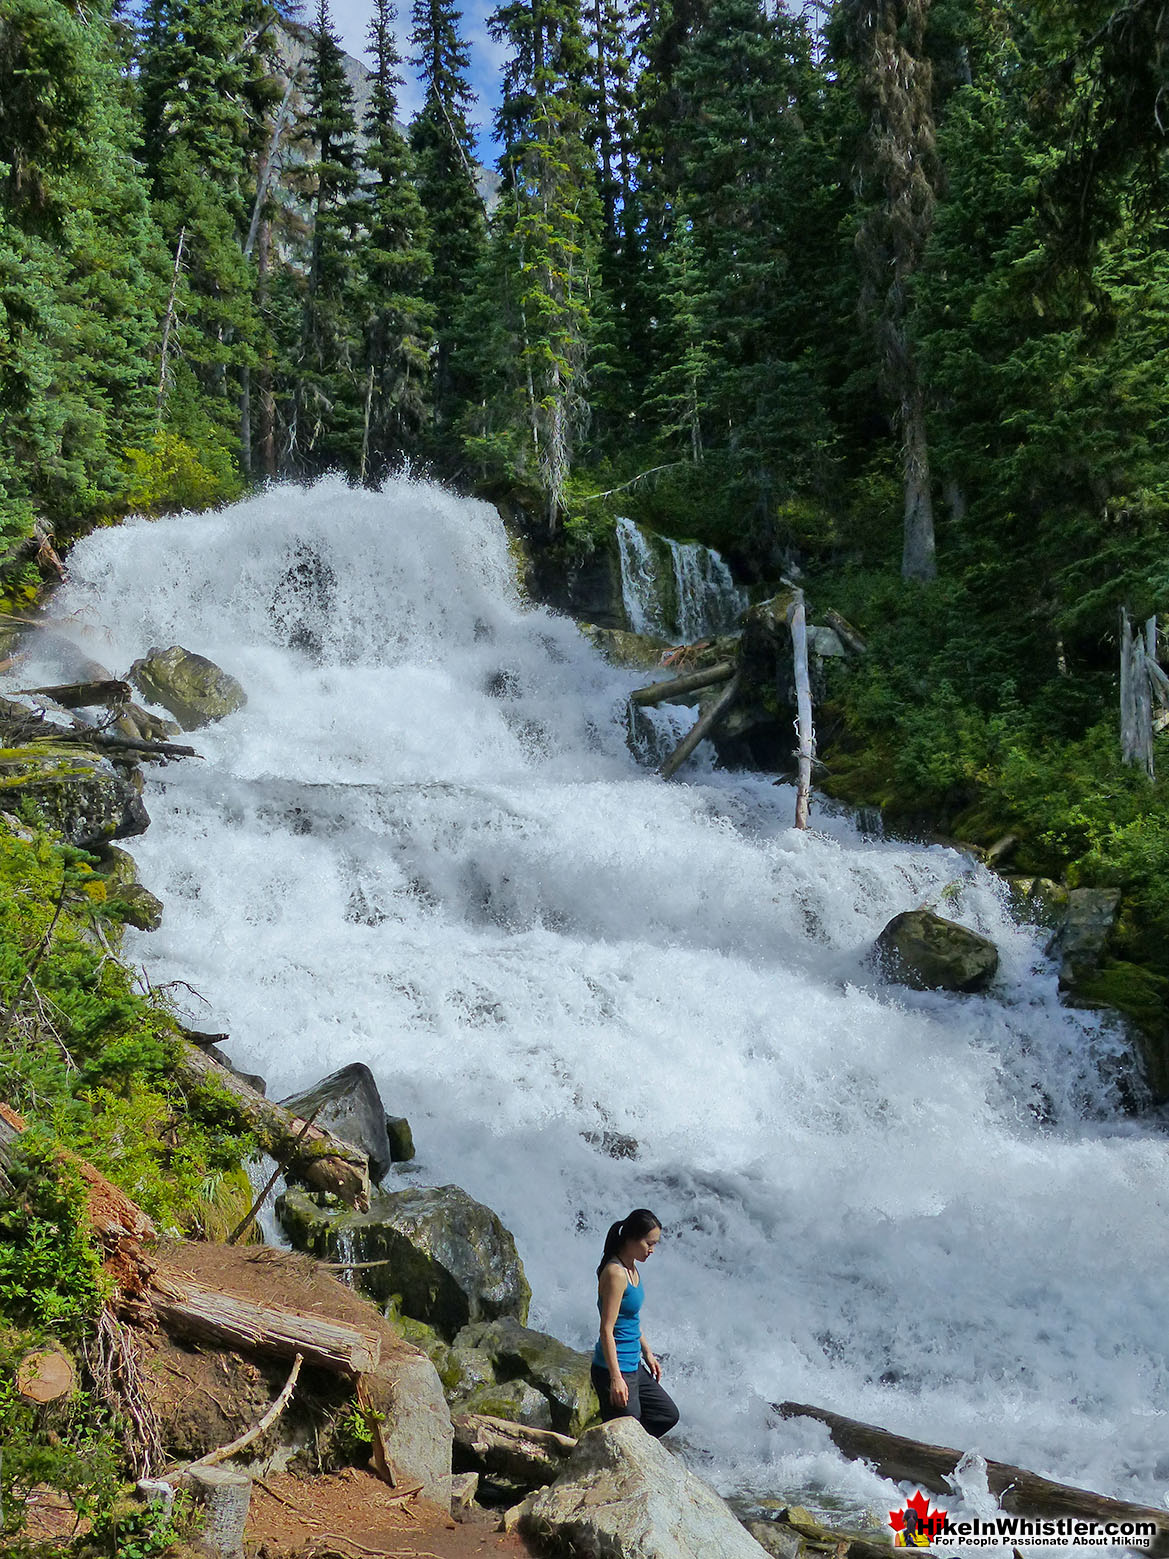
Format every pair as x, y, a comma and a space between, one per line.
701, 728
666, 692
845, 632
1018, 1491
317, 1158
206, 1315
81, 695
529, 1457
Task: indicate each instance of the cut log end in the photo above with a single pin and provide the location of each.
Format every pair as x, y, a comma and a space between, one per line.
45, 1375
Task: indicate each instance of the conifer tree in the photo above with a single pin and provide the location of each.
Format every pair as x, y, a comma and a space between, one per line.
326, 421
396, 266
884, 45
444, 161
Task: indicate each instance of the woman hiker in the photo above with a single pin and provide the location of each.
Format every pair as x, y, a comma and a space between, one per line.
625, 1373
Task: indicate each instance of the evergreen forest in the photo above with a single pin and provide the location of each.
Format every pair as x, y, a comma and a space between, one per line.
875, 290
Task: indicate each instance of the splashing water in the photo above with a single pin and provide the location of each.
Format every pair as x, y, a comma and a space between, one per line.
693, 596
424, 844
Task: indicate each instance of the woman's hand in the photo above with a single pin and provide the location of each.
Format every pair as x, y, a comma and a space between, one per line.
618, 1392
652, 1365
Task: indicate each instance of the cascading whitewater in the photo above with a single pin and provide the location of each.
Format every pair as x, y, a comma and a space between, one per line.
424, 845
698, 596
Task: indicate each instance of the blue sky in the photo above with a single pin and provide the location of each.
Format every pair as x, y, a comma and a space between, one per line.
351, 19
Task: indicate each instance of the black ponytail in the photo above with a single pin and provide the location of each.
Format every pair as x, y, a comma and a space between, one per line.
639, 1223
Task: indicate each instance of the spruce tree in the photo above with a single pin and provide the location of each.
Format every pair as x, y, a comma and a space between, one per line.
396, 266
444, 169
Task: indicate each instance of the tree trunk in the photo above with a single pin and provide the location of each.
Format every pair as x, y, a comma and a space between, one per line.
918, 559
1018, 1491
797, 622
529, 1457
322, 1161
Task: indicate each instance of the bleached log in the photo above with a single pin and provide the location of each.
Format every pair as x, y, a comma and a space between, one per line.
529, 1457
701, 728
1136, 696
1018, 1491
666, 692
206, 1315
797, 622
314, 1156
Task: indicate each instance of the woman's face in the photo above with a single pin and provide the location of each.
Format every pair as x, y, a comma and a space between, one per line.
642, 1247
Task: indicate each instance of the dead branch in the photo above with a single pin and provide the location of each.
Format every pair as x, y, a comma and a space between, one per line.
257, 1429
702, 727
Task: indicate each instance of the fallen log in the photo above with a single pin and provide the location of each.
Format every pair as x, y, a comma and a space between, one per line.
315, 1156
1018, 1491
529, 1457
701, 728
667, 692
845, 632
81, 695
203, 1314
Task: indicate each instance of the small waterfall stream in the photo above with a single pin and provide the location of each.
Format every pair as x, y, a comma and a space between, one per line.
677, 589
425, 845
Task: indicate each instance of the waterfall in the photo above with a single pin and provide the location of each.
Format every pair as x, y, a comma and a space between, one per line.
425, 845
677, 589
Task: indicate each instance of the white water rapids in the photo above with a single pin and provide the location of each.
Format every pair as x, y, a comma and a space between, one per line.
424, 845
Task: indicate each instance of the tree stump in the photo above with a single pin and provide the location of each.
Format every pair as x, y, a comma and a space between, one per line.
45, 1375
225, 1497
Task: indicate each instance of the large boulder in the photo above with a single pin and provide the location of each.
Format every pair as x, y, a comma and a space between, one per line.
415, 1422
72, 789
1081, 939
929, 953
559, 1373
194, 690
444, 1258
623, 1496
349, 1105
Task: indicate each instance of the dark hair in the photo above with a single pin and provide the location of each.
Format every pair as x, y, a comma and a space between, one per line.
639, 1223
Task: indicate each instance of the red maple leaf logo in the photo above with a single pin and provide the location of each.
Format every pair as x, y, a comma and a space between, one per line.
916, 1524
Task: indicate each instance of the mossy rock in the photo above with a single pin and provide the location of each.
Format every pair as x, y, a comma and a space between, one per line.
71, 791
929, 953
516, 1400
638, 651
559, 1372
1141, 996
193, 689
445, 1258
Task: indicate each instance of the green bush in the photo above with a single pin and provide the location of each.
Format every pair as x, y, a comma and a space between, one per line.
171, 473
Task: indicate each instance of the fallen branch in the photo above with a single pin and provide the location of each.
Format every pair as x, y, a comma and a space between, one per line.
701, 728
667, 692
254, 1433
80, 695
205, 1314
807, 749
845, 632
1018, 1491
633, 480
249, 1217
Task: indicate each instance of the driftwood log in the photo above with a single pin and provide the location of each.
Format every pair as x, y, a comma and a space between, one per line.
675, 687
529, 1457
701, 728
321, 1160
1018, 1491
82, 695
189, 1309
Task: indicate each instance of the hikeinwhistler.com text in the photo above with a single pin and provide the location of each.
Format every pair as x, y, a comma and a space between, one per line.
1059, 1532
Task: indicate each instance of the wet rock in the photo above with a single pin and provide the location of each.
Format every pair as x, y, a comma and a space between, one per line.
639, 651
929, 953
1081, 939
400, 1138
559, 1373
349, 1105
623, 1495
825, 642
86, 798
253, 1079
776, 1538
448, 1260
195, 690
139, 907
1039, 899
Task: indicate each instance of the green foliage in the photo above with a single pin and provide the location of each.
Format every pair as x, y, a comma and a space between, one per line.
171, 473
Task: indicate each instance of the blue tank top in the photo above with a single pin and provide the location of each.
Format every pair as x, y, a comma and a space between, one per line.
626, 1331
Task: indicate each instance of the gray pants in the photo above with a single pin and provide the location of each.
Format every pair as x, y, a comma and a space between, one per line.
648, 1403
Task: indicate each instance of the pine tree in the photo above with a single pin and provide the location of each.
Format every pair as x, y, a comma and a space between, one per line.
327, 415
396, 266
884, 46
444, 160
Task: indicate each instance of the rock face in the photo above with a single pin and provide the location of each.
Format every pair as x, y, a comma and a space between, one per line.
639, 651
1081, 939
623, 1496
449, 1260
349, 1105
73, 790
928, 953
516, 1354
193, 689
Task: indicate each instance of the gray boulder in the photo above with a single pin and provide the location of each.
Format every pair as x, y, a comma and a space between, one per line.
448, 1260
349, 1105
416, 1423
1081, 939
194, 690
559, 1373
623, 1496
516, 1400
929, 953
401, 1139
86, 798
